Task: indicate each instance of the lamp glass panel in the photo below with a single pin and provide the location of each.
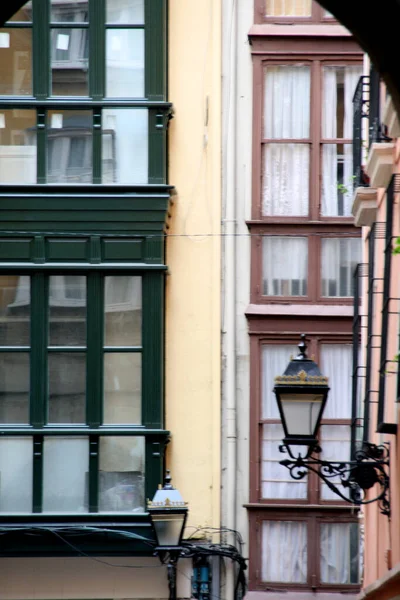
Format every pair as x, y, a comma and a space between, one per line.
301, 412
168, 528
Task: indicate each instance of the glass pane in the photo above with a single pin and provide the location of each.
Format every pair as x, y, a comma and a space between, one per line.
125, 145
285, 264
67, 310
121, 475
335, 442
122, 388
284, 551
275, 359
123, 311
65, 474
15, 310
67, 387
17, 146
275, 478
336, 363
340, 553
288, 8
339, 85
340, 257
70, 62
14, 387
125, 63
287, 102
16, 62
337, 180
69, 11
16, 474
24, 14
285, 180
129, 12
69, 139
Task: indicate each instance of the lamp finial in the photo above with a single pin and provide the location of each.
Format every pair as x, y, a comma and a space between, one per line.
302, 347
167, 481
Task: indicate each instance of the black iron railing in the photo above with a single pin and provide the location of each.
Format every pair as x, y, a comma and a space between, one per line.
386, 363
366, 104
358, 368
360, 111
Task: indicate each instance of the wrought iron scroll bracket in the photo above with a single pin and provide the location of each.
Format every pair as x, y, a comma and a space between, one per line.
357, 478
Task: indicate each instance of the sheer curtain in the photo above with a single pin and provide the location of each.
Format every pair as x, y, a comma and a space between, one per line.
276, 481
339, 258
286, 116
284, 551
336, 364
275, 478
275, 359
339, 553
337, 122
329, 151
285, 266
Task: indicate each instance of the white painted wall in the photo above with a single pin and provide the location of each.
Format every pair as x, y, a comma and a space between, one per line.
237, 18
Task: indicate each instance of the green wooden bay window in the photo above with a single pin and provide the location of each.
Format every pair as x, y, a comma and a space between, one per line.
83, 202
83, 93
80, 383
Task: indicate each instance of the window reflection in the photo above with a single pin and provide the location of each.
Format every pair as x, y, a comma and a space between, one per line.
67, 387
67, 310
24, 14
18, 146
66, 11
14, 387
122, 388
129, 12
125, 63
125, 145
65, 468
70, 62
121, 475
14, 310
123, 311
16, 62
69, 136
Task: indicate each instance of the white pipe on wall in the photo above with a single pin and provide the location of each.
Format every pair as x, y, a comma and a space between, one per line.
229, 431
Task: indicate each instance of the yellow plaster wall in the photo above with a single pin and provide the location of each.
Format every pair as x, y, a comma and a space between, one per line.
193, 289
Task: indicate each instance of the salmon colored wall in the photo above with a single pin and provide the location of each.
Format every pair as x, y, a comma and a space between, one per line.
382, 540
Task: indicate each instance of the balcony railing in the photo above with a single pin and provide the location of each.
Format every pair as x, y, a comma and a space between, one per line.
366, 104
360, 111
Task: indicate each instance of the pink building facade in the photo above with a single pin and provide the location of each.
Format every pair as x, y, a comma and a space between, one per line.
376, 377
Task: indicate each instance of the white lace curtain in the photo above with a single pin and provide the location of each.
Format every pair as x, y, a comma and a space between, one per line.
284, 551
337, 161
286, 116
340, 556
336, 364
339, 258
285, 261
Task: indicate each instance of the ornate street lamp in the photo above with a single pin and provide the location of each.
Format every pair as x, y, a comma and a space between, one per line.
301, 393
168, 513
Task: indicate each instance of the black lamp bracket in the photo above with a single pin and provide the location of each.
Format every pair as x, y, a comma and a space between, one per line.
370, 466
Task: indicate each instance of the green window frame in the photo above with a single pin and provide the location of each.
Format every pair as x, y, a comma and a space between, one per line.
43, 438
94, 142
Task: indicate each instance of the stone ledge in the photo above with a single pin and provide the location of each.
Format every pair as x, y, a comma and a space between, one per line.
380, 164
390, 119
364, 206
